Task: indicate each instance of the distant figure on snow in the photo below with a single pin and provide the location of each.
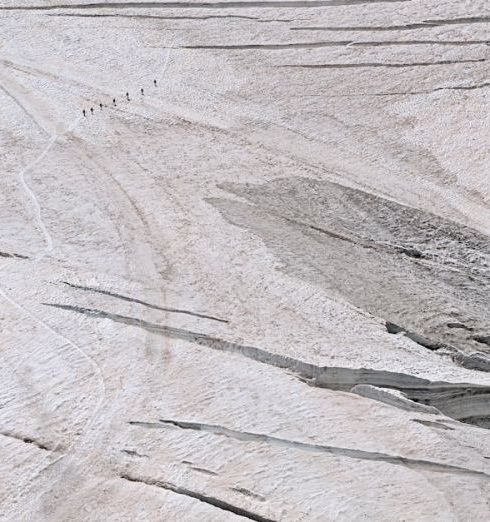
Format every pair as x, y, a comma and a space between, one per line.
142, 91
100, 105
127, 96
92, 110
84, 113
155, 83
114, 101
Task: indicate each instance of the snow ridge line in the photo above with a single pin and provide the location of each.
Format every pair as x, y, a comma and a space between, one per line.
49, 245
167, 59
31, 194
68, 455
98, 372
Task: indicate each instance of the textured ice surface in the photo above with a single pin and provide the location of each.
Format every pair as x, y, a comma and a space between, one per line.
193, 280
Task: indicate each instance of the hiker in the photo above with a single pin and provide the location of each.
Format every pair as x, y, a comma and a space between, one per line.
155, 83
92, 110
142, 91
114, 102
100, 105
84, 113
127, 96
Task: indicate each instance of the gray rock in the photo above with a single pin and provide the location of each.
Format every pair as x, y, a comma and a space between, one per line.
475, 361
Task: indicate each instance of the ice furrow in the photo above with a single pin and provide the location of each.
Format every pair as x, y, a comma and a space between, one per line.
144, 303
26, 440
379, 64
200, 5
458, 400
333, 43
315, 448
213, 501
401, 27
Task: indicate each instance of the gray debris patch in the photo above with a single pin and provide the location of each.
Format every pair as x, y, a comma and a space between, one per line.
419, 270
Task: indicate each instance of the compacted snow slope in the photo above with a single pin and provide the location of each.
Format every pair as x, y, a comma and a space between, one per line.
259, 288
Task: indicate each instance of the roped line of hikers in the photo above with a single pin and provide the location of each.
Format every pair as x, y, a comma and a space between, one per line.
114, 104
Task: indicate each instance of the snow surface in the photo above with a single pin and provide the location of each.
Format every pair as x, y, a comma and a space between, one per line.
191, 278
